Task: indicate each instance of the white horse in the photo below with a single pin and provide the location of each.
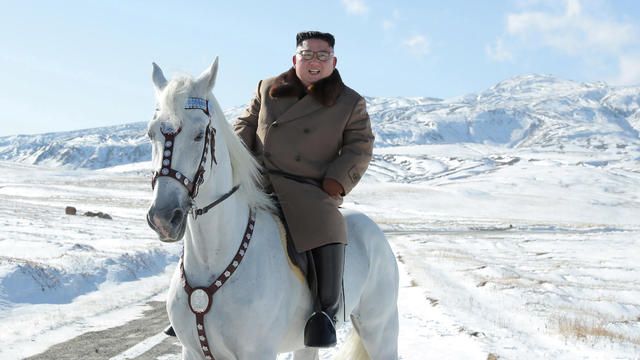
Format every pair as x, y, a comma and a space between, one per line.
262, 309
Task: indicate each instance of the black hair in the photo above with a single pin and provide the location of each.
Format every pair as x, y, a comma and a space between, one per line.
306, 35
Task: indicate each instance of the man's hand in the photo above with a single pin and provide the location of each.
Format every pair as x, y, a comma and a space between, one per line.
332, 187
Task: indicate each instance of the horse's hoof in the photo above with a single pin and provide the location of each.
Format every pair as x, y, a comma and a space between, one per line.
320, 331
169, 331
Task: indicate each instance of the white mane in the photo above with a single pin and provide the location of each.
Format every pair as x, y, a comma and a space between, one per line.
246, 170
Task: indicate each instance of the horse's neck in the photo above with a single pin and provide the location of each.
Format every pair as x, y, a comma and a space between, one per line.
213, 239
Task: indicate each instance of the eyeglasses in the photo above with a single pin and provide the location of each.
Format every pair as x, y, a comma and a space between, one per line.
322, 55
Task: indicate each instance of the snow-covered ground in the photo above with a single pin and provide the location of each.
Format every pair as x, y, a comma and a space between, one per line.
514, 214
518, 253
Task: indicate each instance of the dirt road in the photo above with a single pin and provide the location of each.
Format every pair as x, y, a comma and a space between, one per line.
145, 332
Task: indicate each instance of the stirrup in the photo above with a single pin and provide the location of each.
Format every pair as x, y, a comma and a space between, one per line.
320, 331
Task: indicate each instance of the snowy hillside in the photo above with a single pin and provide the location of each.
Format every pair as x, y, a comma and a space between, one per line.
529, 111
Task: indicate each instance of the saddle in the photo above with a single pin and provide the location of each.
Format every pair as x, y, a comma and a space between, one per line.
298, 262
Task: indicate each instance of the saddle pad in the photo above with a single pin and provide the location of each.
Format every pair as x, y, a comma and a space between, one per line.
297, 262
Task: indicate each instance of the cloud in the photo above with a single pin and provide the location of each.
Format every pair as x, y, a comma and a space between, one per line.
629, 70
586, 31
418, 45
356, 7
574, 32
387, 24
498, 52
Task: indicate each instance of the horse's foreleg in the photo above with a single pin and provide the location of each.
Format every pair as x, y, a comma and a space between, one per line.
306, 354
189, 355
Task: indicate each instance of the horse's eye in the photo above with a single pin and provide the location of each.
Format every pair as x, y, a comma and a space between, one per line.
149, 134
199, 137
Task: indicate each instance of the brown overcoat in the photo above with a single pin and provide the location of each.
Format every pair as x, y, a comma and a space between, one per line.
320, 132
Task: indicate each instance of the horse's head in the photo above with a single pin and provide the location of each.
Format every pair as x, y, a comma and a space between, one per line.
182, 133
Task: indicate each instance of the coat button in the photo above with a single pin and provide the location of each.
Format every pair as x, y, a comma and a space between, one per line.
298, 158
267, 154
306, 131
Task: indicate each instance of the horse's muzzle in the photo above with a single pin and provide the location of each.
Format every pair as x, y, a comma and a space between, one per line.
169, 224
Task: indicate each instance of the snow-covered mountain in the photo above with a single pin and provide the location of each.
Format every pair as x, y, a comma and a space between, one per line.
529, 111
89, 148
523, 111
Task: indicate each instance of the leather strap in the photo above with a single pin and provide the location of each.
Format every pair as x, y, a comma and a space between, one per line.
205, 209
200, 298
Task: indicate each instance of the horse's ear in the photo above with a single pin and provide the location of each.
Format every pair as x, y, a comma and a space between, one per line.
208, 78
158, 77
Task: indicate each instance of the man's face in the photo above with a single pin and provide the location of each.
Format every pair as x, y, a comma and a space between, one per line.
310, 71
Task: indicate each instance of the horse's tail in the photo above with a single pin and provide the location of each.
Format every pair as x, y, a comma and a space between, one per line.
352, 348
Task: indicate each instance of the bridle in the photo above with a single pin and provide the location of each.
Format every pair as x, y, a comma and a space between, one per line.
201, 298
192, 185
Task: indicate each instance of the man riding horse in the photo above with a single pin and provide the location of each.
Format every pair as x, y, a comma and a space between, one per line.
312, 135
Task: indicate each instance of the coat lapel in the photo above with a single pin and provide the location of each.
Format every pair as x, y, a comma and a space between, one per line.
280, 107
301, 108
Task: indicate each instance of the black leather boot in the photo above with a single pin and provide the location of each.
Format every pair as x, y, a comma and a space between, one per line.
328, 262
169, 331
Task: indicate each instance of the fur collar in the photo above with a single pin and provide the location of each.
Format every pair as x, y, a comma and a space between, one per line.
325, 91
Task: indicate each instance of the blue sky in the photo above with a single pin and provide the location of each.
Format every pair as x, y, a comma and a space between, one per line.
68, 65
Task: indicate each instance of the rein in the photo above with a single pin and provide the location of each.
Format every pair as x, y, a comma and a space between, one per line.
201, 298
198, 212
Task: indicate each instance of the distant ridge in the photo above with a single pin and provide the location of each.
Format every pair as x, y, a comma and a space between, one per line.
528, 110
533, 111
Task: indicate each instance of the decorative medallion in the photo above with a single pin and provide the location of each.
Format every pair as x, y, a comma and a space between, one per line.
199, 301
167, 129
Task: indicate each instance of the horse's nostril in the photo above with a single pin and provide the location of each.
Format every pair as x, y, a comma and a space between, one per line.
176, 219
